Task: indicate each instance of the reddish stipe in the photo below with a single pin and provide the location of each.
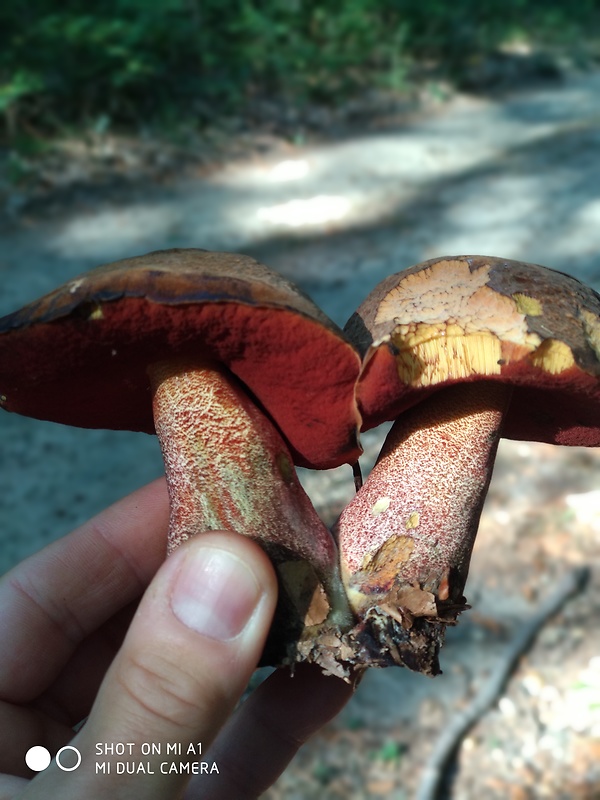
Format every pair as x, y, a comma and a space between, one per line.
228, 467
419, 508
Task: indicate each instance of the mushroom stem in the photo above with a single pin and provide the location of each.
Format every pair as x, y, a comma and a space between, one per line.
406, 538
227, 467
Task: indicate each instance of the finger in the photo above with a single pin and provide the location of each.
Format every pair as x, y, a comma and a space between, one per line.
11, 787
50, 720
265, 733
192, 646
70, 697
55, 599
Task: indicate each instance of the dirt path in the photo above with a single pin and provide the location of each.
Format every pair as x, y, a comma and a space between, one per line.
517, 177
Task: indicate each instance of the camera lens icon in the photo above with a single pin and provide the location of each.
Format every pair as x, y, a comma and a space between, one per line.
38, 758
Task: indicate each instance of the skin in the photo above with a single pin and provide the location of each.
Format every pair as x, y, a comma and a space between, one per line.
77, 640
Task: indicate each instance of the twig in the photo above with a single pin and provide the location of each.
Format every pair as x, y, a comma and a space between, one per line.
447, 744
358, 478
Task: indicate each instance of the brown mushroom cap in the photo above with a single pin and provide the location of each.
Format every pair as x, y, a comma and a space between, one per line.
80, 354
470, 318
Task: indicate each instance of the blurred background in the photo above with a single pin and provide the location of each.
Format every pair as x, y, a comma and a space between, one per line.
338, 143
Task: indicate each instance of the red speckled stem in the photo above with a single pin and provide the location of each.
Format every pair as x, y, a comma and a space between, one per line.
228, 468
406, 538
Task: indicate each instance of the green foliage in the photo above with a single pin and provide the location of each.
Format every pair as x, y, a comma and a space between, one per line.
390, 752
147, 61
458, 32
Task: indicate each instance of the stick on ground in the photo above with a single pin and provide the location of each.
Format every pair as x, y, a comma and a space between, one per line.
448, 743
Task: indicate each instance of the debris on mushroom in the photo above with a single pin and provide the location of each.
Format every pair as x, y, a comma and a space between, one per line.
239, 374
459, 351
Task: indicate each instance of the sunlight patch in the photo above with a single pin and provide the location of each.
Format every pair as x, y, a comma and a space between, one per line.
310, 211
289, 170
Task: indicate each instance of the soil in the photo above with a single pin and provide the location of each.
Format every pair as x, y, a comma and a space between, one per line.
514, 175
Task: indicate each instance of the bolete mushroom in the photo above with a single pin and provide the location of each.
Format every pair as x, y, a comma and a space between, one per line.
458, 351
239, 373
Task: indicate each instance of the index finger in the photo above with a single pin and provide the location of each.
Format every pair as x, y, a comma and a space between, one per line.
53, 600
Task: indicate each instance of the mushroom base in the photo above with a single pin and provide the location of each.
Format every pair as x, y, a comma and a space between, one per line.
379, 639
406, 538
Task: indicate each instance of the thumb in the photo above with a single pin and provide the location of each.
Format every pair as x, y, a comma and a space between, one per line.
188, 655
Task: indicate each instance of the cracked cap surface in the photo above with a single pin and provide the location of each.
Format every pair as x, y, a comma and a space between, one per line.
468, 318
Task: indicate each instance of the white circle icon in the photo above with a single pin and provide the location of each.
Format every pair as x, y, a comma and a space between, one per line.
37, 758
65, 749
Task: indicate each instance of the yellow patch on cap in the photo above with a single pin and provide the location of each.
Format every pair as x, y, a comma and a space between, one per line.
447, 358
528, 305
450, 325
591, 329
553, 356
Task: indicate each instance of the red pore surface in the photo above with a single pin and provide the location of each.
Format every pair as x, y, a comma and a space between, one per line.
80, 356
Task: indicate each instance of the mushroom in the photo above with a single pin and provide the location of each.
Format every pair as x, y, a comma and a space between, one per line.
239, 374
459, 351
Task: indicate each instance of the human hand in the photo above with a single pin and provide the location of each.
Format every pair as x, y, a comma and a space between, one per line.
169, 671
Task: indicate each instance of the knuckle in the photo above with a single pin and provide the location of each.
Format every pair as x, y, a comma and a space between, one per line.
158, 687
